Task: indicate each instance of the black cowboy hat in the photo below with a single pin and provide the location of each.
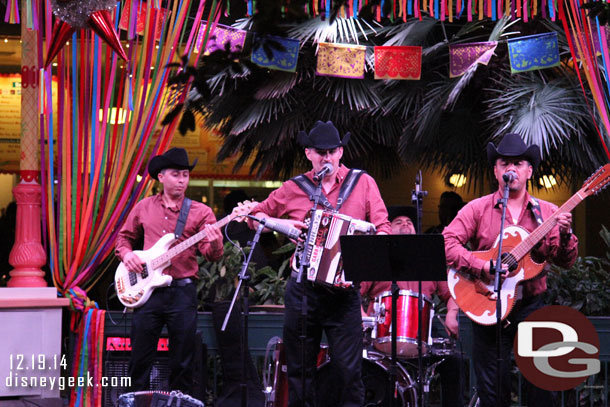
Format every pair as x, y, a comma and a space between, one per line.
401, 210
176, 158
323, 136
512, 145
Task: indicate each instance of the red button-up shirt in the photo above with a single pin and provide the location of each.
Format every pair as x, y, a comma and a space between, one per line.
150, 219
364, 203
478, 225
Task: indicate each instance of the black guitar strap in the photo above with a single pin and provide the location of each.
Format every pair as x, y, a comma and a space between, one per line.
184, 213
346, 188
535, 207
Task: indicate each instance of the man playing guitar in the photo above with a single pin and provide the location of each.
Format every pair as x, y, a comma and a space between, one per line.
478, 225
175, 305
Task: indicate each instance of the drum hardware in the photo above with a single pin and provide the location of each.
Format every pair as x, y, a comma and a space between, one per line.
430, 370
369, 333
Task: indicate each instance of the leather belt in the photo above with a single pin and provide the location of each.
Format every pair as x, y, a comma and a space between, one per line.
181, 282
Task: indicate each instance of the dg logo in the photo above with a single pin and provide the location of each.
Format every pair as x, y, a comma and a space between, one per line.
557, 348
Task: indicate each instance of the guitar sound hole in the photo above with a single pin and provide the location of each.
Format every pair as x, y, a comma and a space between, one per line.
133, 278
144, 271
509, 260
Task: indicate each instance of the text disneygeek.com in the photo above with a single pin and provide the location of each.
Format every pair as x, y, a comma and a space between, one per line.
62, 383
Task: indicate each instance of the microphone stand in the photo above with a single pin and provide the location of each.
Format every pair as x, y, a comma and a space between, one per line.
244, 277
417, 198
304, 266
497, 289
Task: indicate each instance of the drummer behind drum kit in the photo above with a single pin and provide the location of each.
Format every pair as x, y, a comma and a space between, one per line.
376, 356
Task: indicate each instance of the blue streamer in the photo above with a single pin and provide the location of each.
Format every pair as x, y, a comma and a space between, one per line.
47, 82
551, 9
82, 356
437, 12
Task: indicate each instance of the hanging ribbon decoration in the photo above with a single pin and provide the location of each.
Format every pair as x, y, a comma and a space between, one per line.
100, 123
580, 31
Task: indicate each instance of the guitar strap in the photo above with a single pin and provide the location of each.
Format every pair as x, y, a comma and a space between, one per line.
352, 178
535, 207
184, 213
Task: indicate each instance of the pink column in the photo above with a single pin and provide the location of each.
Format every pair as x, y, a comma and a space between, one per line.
28, 255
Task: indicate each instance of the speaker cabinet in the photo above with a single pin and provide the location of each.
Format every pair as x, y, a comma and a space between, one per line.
116, 364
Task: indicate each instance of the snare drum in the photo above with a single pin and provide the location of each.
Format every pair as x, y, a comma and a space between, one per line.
443, 347
406, 321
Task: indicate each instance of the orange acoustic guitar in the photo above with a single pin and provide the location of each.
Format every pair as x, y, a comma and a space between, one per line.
476, 298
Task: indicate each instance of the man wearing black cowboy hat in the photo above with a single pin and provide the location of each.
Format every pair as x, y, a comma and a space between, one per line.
176, 305
478, 224
336, 311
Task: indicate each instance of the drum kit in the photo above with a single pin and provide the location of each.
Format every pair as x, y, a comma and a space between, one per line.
376, 356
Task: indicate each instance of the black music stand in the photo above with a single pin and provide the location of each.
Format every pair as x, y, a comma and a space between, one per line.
396, 258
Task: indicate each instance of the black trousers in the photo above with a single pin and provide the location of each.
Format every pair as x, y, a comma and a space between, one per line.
175, 307
484, 360
337, 313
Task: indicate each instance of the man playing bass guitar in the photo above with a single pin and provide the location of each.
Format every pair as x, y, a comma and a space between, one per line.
174, 305
478, 226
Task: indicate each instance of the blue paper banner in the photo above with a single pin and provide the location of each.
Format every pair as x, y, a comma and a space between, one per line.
282, 60
533, 52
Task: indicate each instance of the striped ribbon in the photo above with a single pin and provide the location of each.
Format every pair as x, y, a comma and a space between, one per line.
90, 163
438, 9
579, 33
11, 15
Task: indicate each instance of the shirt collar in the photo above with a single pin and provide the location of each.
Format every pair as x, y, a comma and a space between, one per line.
498, 195
159, 199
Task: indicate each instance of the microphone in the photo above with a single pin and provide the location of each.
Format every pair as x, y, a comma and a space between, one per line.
509, 176
328, 167
292, 233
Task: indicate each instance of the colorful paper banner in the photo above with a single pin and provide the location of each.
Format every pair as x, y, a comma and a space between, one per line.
219, 37
281, 60
533, 52
341, 60
398, 62
141, 13
463, 56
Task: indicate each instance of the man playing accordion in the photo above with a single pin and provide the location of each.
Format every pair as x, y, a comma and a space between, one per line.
334, 310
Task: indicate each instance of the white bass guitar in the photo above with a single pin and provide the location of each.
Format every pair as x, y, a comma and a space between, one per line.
133, 289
